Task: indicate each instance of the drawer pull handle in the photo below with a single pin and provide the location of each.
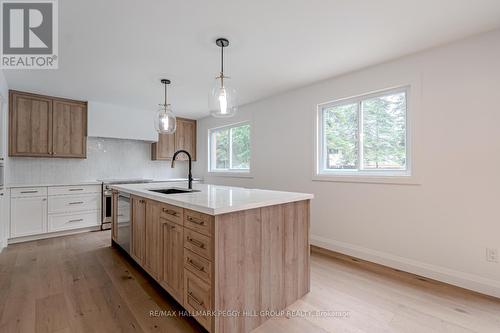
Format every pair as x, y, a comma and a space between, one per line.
170, 211
120, 215
195, 265
197, 301
77, 220
26, 192
196, 242
165, 222
76, 203
75, 189
199, 222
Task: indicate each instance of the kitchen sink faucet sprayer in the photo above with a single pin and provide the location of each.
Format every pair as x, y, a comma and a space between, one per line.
190, 176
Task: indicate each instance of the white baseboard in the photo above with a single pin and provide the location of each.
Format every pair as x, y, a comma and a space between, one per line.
457, 278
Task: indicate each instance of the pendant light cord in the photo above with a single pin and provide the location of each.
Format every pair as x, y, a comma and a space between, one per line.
222, 60
165, 94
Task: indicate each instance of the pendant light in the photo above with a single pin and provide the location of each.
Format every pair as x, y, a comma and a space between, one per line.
222, 98
165, 122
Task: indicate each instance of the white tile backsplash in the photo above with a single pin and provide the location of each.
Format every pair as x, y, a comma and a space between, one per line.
106, 158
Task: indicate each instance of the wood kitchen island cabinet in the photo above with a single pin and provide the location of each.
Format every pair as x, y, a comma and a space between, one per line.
245, 262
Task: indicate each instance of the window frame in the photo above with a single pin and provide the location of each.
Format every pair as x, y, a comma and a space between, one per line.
363, 175
229, 172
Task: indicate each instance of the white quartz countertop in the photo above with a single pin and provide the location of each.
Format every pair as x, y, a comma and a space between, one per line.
213, 199
90, 182
69, 183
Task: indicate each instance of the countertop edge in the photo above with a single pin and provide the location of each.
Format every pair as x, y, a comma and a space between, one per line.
89, 182
54, 184
212, 211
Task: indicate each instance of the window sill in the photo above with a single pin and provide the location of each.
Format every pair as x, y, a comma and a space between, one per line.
233, 174
373, 179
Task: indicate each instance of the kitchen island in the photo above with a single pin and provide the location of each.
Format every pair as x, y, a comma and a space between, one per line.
232, 257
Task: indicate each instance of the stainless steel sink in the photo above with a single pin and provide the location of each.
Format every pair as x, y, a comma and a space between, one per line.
173, 190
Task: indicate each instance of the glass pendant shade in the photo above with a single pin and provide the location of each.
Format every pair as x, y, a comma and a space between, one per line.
223, 100
165, 122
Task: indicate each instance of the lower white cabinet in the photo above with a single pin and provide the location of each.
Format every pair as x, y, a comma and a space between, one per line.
40, 210
74, 203
60, 222
28, 216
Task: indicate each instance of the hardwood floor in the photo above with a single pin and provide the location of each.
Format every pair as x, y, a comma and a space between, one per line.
80, 284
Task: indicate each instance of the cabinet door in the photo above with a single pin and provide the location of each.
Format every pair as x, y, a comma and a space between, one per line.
69, 129
138, 229
164, 149
28, 216
185, 137
30, 125
152, 260
173, 258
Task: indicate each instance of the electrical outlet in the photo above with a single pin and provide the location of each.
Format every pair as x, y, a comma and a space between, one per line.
492, 255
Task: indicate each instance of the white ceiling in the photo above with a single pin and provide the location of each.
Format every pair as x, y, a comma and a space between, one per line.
115, 51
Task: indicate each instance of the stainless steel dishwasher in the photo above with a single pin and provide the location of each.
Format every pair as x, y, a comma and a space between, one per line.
123, 221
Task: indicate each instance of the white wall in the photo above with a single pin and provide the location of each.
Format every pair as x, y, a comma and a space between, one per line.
106, 158
439, 228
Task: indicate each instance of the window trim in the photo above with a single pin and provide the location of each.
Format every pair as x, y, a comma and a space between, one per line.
366, 176
237, 173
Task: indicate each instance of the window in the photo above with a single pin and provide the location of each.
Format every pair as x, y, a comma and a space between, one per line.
366, 135
229, 148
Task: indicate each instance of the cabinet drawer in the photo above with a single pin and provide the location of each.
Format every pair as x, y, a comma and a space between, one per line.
74, 203
58, 222
198, 265
28, 192
197, 298
171, 213
198, 243
199, 222
76, 189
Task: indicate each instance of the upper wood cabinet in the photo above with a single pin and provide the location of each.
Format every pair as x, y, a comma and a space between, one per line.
30, 125
164, 149
44, 126
69, 129
183, 138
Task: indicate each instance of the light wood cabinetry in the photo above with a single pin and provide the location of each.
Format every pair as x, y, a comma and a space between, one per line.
152, 255
198, 298
138, 248
183, 138
253, 260
164, 149
172, 258
69, 129
44, 126
30, 125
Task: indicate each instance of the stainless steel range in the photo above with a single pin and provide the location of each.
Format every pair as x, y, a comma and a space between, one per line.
107, 202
